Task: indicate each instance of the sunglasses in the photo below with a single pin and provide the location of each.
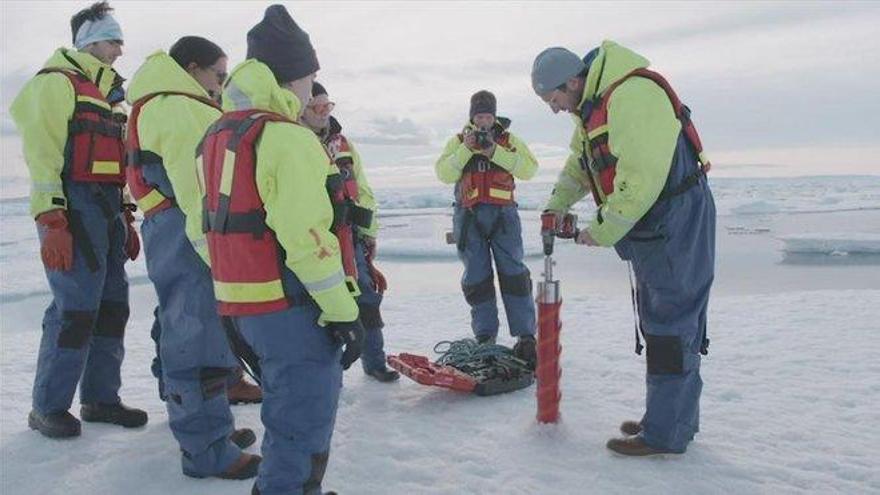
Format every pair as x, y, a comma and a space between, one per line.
221, 76
322, 108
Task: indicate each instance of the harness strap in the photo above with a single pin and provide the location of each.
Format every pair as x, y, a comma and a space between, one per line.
349, 213
634, 295
81, 236
244, 353
685, 185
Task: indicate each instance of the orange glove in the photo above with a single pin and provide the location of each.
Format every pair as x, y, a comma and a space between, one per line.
132, 241
380, 285
57, 246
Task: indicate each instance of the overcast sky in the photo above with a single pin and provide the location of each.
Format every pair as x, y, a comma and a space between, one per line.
770, 84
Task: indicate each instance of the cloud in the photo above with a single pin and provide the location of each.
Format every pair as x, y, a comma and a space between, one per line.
767, 18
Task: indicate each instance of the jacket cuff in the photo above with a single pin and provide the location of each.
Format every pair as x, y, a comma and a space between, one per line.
43, 201
336, 304
612, 228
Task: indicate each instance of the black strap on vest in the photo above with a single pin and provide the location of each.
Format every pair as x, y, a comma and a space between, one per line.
252, 222
137, 158
349, 213
103, 128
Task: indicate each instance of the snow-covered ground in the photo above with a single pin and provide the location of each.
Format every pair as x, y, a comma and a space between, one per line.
792, 382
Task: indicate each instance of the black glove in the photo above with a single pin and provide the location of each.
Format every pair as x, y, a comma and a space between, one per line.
351, 335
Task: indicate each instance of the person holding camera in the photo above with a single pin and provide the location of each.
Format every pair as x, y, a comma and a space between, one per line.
483, 162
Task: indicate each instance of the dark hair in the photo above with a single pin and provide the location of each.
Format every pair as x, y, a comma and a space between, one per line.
195, 49
97, 11
318, 89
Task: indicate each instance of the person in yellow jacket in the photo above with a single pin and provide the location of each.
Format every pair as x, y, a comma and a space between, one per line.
73, 148
483, 162
275, 262
636, 151
359, 206
172, 107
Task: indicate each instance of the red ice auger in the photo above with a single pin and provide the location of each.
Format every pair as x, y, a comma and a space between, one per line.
549, 303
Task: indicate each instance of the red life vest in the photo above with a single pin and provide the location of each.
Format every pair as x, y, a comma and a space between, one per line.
485, 182
95, 148
246, 259
148, 197
343, 190
602, 164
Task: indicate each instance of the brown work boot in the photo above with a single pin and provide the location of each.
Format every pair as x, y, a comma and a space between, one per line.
243, 468
243, 392
631, 427
633, 446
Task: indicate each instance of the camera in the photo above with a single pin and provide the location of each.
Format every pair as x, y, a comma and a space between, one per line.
483, 139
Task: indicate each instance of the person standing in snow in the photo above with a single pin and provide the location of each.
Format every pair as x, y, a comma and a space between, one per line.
173, 104
275, 261
355, 205
636, 151
482, 161
70, 122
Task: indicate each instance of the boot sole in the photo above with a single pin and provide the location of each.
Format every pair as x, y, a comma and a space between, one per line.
391, 379
643, 453
247, 472
51, 433
111, 421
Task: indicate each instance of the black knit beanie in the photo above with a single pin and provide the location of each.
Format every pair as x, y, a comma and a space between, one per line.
282, 45
482, 102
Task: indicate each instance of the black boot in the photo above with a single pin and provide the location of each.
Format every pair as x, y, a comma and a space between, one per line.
525, 349
116, 414
55, 425
243, 437
384, 375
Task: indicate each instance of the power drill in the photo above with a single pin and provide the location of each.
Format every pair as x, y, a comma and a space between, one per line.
554, 225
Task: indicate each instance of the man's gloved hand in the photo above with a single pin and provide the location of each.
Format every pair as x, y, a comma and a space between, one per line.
380, 284
351, 335
57, 246
132, 241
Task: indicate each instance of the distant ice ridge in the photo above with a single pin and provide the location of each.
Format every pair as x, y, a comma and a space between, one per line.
744, 196
835, 244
